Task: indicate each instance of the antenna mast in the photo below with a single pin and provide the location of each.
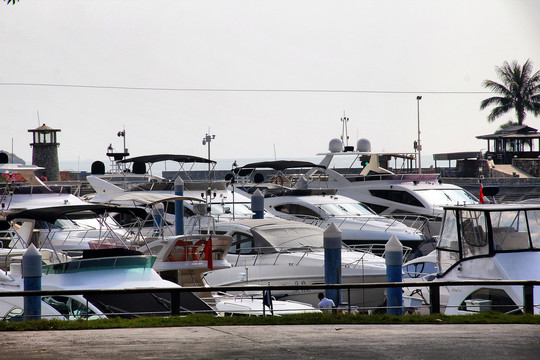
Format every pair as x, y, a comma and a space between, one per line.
344, 133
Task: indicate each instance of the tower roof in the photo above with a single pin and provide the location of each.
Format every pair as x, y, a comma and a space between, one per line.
44, 127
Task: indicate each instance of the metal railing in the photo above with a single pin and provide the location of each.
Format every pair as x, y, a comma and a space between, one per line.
175, 293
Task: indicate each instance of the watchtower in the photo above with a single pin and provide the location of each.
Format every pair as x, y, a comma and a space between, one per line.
45, 151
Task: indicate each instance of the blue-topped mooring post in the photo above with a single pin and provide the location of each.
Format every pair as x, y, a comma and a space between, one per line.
332, 261
158, 212
394, 262
257, 204
179, 207
31, 272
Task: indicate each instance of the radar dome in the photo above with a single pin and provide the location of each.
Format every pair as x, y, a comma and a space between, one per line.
363, 145
336, 145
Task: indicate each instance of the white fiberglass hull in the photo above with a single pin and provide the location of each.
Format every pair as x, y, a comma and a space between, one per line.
304, 269
503, 266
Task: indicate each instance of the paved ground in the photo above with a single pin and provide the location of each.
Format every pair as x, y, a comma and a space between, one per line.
280, 342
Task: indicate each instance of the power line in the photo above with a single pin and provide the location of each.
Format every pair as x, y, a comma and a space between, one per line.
244, 90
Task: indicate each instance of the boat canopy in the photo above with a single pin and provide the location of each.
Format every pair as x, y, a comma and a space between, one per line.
164, 157
279, 165
147, 198
53, 213
288, 236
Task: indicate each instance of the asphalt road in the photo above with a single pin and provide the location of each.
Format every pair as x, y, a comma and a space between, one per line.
280, 342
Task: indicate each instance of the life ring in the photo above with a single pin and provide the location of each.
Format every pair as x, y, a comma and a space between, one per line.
199, 255
278, 180
179, 251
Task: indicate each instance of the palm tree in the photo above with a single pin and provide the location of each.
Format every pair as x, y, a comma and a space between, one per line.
519, 90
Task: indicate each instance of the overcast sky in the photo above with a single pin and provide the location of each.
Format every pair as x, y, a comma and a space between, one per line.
156, 68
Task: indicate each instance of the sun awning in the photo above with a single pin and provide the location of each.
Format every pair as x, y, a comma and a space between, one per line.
143, 197
167, 157
281, 165
53, 213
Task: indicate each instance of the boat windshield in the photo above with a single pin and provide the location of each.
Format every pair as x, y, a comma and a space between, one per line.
240, 209
443, 197
340, 210
141, 263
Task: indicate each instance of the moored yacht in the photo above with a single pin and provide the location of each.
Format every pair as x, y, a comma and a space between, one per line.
321, 207
404, 196
489, 242
282, 252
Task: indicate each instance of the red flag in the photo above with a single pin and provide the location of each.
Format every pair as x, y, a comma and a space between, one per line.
481, 194
208, 253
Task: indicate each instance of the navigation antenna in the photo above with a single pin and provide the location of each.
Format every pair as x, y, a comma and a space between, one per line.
344, 133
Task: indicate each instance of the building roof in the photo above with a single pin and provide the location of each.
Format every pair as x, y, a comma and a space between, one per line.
513, 132
458, 155
44, 127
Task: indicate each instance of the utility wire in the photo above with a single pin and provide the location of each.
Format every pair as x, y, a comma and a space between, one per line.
243, 90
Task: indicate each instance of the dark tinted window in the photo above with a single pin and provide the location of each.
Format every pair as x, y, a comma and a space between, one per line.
295, 209
398, 196
377, 208
242, 244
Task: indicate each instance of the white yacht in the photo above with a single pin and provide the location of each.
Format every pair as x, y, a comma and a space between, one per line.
489, 242
68, 222
221, 204
72, 228
281, 252
286, 196
387, 193
222, 201
359, 224
101, 269
30, 192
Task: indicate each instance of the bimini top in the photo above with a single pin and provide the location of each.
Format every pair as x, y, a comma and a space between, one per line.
53, 213
164, 157
142, 197
276, 234
281, 165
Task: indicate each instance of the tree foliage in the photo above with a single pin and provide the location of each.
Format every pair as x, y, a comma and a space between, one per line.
519, 90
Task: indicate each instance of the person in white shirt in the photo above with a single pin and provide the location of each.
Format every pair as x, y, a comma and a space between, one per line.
325, 303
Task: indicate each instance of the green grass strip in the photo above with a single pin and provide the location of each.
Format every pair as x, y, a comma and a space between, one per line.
304, 319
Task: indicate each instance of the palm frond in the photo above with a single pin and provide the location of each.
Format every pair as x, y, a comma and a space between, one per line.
519, 90
498, 111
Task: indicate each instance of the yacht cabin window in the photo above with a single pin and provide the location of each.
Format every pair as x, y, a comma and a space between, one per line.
474, 240
398, 196
296, 209
510, 230
242, 244
533, 217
